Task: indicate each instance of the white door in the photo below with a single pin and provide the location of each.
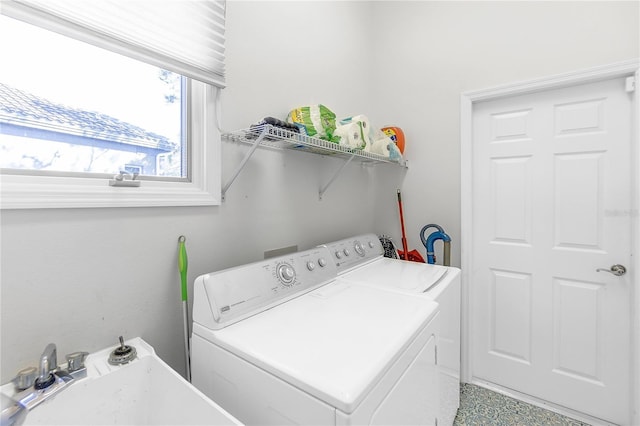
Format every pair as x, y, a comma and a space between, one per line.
551, 204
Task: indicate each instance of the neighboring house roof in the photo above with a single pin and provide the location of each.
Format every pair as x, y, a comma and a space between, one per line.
19, 108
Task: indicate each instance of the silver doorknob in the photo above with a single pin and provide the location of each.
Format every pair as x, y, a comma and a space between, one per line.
617, 270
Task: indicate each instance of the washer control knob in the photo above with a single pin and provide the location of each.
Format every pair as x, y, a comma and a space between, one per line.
359, 248
346, 252
322, 262
339, 254
371, 245
311, 265
286, 273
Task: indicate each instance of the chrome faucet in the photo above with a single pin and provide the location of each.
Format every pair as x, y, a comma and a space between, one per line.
49, 382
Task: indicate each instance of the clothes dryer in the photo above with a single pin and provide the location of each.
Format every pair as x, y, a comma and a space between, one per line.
280, 341
360, 259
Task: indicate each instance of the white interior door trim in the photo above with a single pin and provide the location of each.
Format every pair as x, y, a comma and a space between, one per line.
467, 100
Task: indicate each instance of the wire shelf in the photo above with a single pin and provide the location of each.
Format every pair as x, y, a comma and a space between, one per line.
276, 137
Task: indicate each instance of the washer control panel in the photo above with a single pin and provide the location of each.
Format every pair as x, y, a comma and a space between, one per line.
236, 293
352, 252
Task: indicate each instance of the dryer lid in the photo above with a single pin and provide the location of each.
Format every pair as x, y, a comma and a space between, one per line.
394, 273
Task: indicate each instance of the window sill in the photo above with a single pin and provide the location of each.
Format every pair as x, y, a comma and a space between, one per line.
34, 192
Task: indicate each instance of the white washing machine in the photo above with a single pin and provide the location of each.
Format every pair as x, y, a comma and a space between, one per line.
280, 341
361, 260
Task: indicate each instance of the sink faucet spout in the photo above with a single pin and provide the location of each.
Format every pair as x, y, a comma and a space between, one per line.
48, 364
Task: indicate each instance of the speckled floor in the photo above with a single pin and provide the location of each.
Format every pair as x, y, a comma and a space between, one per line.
480, 406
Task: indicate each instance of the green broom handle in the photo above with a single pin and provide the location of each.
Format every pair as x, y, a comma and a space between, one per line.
182, 266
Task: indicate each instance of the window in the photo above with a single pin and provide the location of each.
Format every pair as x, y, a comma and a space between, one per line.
73, 114
88, 111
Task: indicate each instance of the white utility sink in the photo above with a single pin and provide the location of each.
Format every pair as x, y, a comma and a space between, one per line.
146, 391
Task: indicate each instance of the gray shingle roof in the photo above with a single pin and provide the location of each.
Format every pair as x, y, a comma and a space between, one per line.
21, 108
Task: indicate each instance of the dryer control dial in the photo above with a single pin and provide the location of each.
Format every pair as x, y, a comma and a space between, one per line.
286, 274
311, 265
322, 262
359, 248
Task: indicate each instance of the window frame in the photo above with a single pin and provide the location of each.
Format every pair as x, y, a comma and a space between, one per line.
24, 191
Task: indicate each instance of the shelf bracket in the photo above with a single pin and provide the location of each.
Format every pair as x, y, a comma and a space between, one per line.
244, 162
335, 175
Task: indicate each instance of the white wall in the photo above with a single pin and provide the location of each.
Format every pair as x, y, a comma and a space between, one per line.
82, 277
427, 53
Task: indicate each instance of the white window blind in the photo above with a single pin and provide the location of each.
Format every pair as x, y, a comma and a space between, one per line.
183, 36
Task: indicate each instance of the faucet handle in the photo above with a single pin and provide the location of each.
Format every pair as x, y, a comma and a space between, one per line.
25, 378
75, 361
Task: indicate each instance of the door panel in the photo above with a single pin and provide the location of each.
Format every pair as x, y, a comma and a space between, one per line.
576, 331
512, 199
578, 210
511, 319
551, 173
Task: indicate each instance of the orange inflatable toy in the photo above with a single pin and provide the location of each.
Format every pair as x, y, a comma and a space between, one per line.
397, 135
